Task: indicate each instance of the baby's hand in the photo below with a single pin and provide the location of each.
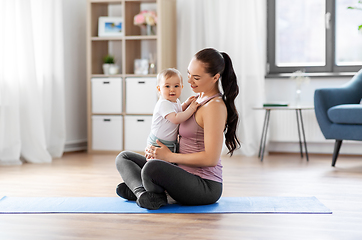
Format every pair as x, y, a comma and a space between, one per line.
190, 99
149, 152
194, 105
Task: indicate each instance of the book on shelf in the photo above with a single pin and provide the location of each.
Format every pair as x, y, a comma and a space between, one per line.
276, 104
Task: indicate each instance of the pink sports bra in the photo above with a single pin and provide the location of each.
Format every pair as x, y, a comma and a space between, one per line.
192, 140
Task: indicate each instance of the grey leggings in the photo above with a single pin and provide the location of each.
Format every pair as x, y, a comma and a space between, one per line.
159, 176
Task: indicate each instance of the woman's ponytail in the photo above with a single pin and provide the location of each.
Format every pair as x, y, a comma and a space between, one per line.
216, 62
231, 91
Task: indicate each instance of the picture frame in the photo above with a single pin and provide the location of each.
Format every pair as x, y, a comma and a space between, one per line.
141, 66
110, 26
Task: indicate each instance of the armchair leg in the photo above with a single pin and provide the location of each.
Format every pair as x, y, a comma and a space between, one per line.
337, 147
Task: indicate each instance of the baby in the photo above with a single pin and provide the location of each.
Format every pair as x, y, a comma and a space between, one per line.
169, 112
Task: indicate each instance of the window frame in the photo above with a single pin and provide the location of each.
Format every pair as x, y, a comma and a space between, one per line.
330, 66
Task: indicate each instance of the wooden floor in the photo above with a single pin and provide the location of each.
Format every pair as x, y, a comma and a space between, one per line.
82, 174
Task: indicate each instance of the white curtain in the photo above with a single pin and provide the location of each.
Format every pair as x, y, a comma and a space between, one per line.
236, 27
32, 121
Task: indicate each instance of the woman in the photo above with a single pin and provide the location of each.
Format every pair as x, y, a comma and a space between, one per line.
194, 175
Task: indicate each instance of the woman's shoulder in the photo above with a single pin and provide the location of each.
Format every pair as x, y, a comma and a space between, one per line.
215, 105
216, 102
213, 112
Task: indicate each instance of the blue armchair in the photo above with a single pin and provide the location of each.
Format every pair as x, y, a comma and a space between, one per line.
339, 112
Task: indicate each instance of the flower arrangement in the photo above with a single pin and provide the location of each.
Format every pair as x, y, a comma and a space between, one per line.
145, 18
300, 78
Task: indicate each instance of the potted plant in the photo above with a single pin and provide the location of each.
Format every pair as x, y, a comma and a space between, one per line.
109, 66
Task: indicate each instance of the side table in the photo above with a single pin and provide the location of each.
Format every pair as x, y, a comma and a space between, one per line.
298, 110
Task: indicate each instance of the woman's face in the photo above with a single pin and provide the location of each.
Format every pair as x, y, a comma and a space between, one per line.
200, 80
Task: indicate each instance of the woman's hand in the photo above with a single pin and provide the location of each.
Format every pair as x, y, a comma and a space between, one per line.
162, 152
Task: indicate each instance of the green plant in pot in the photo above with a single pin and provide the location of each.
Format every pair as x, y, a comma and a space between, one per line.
109, 66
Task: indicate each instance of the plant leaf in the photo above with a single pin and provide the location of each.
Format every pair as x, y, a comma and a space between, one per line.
357, 8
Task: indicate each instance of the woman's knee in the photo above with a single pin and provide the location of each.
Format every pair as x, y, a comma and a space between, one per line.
122, 157
153, 175
125, 157
152, 168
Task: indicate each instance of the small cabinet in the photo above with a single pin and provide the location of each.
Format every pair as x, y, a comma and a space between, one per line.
141, 95
106, 95
137, 129
107, 133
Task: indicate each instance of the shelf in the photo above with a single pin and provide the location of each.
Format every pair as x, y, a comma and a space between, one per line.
106, 76
131, 45
99, 49
135, 37
108, 114
120, 1
141, 37
106, 1
106, 38
122, 114
121, 75
138, 114
139, 75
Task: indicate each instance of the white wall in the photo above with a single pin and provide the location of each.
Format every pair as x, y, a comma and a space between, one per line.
74, 24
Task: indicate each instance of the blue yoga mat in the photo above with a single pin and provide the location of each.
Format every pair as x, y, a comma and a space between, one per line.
116, 205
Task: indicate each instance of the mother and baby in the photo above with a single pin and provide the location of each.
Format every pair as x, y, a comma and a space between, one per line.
188, 170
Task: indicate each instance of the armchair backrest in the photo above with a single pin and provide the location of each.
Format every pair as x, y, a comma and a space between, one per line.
325, 98
355, 87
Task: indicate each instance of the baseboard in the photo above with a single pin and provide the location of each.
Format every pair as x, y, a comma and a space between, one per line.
348, 147
75, 145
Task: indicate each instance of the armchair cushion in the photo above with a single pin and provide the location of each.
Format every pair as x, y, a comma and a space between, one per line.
346, 114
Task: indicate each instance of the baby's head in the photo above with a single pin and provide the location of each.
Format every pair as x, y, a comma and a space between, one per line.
169, 84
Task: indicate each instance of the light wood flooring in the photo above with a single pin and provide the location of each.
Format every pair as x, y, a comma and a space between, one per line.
82, 175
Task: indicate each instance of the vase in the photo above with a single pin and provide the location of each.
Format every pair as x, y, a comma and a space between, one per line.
105, 67
110, 69
113, 69
150, 30
152, 68
298, 92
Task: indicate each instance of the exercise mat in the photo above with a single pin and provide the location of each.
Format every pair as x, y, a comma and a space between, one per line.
116, 205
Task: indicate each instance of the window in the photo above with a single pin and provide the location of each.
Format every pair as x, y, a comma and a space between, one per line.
314, 35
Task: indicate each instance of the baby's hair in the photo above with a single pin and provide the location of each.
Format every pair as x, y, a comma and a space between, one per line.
167, 73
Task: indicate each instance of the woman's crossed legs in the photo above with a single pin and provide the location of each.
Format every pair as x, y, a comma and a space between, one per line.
157, 176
